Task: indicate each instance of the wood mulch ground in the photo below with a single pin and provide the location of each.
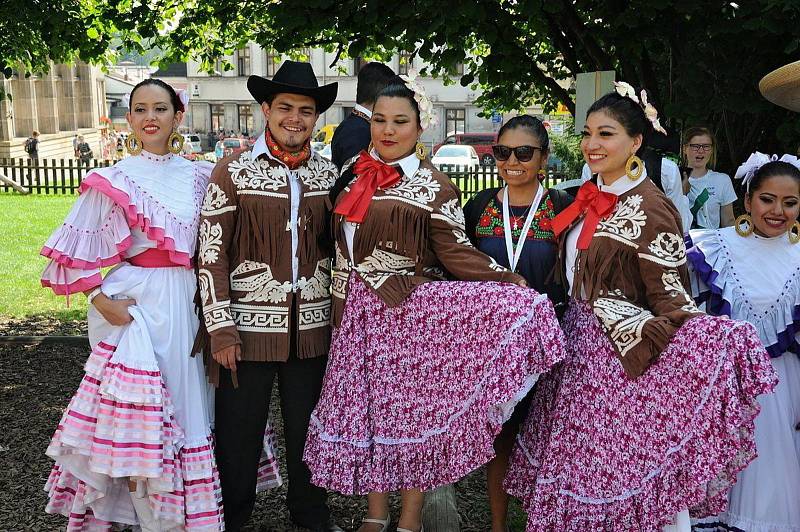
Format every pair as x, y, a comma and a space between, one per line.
36, 384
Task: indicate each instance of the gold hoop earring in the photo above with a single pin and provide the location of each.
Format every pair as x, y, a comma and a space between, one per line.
133, 144
634, 160
420, 151
744, 219
175, 142
370, 147
794, 233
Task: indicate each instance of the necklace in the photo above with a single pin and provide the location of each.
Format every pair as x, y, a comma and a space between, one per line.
516, 219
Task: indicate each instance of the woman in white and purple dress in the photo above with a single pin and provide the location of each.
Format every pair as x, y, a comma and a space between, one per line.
650, 416
134, 446
422, 374
751, 272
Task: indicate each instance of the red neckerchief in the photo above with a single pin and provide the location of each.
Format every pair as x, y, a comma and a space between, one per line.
593, 204
372, 175
290, 159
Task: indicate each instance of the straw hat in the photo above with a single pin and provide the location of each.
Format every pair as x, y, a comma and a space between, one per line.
782, 86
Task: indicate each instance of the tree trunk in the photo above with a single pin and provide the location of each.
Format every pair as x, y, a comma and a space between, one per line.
440, 511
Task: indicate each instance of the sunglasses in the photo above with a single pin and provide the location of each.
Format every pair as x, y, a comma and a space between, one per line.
522, 153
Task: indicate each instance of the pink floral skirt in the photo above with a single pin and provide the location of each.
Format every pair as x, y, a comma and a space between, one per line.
415, 395
602, 452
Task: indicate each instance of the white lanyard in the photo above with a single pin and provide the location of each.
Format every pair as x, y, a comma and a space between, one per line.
514, 253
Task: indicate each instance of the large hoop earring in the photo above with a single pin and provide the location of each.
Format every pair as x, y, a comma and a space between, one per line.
420, 151
175, 142
133, 144
744, 219
634, 175
370, 147
794, 233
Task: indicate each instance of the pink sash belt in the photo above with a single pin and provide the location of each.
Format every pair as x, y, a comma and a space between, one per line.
154, 258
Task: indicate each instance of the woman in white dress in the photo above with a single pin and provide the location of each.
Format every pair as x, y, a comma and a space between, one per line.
751, 272
134, 446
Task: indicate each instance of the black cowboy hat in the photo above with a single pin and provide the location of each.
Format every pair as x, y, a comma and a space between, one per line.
294, 77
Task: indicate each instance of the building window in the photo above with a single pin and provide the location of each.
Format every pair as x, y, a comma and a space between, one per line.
458, 70
243, 61
217, 116
404, 63
246, 123
455, 121
358, 62
272, 62
346, 112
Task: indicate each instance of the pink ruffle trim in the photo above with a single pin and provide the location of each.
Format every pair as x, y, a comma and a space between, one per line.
79, 264
81, 285
135, 217
120, 424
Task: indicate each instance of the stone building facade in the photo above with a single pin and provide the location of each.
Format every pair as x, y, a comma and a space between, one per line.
69, 100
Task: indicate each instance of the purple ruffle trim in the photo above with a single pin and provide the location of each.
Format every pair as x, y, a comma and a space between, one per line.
717, 305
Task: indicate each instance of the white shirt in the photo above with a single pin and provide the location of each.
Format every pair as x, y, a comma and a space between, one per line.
618, 187
409, 165
364, 110
672, 185
721, 193
295, 192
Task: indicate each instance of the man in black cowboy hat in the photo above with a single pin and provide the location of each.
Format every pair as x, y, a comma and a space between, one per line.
264, 285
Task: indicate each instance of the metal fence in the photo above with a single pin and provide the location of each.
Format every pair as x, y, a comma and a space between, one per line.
63, 176
46, 176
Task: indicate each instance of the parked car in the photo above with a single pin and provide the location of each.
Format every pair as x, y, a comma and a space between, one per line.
456, 156
226, 147
325, 133
482, 142
194, 143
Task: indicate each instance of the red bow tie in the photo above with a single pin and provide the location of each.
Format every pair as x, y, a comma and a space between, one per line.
593, 204
372, 175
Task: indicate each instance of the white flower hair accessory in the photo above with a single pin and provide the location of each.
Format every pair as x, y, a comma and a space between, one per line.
427, 114
748, 169
626, 90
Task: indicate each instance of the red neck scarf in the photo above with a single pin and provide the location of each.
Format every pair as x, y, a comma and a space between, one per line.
290, 159
593, 204
372, 175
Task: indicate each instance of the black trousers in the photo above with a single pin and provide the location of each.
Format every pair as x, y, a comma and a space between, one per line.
241, 418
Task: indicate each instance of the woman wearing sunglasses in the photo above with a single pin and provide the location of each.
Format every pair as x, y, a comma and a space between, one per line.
710, 193
513, 225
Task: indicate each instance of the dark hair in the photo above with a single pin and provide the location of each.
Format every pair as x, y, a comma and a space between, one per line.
625, 111
772, 169
177, 104
529, 123
396, 88
372, 78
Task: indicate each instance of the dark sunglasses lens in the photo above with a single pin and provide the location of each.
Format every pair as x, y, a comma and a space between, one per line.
524, 153
501, 153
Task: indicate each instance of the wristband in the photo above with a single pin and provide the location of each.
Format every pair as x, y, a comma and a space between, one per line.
93, 294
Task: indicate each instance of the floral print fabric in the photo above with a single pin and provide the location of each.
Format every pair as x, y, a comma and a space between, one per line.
415, 395
602, 452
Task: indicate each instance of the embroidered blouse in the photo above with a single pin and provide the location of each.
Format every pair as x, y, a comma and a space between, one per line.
540, 252
634, 273
413, 233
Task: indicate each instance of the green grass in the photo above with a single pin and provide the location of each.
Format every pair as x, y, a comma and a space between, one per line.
25, 224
